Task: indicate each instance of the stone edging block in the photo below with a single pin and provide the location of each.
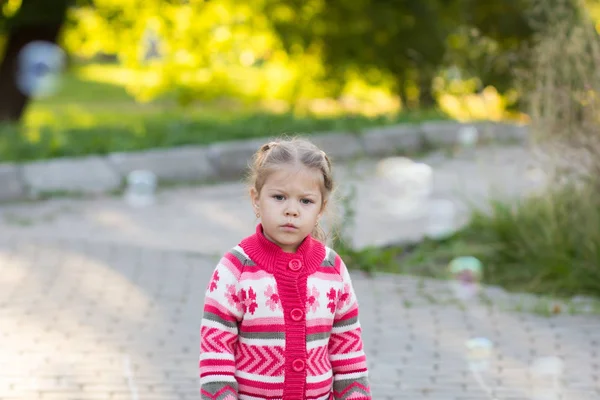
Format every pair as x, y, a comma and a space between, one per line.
11, 185
92, 175
230, 160
187, 163
338, 145
389, 140
227, 160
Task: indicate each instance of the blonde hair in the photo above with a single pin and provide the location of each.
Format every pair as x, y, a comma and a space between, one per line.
294, 151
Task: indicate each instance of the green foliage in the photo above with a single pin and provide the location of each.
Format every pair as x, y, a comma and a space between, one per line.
548, 243
203, 50
405, 40
298, 50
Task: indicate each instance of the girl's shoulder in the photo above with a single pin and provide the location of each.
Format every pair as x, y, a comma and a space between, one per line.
235, 260
332, 259
239, 256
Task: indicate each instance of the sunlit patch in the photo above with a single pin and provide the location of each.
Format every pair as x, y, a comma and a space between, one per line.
40, 68
465, 276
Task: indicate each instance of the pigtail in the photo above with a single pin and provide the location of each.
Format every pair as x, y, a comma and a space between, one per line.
319, 233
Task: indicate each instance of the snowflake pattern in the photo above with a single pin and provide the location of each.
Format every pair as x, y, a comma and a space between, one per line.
213, 282
332, 297
248, 300
233, 297
344, 296
273, 301
243, 300
312, 296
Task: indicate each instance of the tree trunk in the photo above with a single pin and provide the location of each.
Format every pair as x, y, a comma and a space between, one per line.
400, 88
12, 100
426, 99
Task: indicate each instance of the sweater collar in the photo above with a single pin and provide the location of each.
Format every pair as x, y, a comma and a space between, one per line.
269, 256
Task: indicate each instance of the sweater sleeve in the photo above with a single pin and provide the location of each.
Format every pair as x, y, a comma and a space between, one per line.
346, 353
219, 333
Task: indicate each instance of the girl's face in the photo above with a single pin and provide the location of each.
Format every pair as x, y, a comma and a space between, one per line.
290, 204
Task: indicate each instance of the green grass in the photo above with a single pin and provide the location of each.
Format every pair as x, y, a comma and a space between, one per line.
87, 117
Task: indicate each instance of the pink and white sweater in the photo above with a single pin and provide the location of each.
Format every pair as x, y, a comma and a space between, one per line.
281, 326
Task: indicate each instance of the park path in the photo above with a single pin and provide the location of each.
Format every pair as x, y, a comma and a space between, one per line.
99, 300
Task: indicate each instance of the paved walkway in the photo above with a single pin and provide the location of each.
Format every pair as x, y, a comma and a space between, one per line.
100, 301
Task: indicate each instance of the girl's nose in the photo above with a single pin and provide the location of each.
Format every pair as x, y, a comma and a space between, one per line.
291, 212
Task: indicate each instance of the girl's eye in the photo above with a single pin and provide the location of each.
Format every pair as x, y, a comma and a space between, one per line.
306, 201
278, 197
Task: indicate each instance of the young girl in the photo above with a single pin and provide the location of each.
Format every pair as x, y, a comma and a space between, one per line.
280, 315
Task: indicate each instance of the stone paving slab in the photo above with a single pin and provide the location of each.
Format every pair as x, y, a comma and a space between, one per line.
87, 320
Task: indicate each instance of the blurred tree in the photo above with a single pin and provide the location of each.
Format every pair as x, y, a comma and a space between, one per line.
403, 38
194, 49
28, 21
496, 36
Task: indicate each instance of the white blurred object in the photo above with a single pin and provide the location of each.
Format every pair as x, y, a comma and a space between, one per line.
468, 136
40, 65
441, 219
141, 188
546, 373
405, 186
479, 353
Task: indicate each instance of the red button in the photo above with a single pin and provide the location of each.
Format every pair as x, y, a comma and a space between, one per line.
297, 314
295, 265
298, 365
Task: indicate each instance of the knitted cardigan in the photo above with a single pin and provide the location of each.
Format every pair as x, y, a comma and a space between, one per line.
281, 326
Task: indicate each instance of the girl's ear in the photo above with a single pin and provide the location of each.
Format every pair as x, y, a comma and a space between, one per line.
254, 197
323, 208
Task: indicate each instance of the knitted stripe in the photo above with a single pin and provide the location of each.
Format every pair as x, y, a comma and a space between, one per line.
255, 274
241, 256
216, 392
214, 311
326, 274
258, 387
354, 389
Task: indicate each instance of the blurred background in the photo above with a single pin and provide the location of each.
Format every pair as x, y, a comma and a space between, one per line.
142, 74
99, 297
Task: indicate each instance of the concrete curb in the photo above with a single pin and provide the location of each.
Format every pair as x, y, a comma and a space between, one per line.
228, 160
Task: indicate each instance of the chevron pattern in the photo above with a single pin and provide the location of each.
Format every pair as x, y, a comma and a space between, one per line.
354, 391
263, 360
227, 393
216, 341
318, 361
347, 342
